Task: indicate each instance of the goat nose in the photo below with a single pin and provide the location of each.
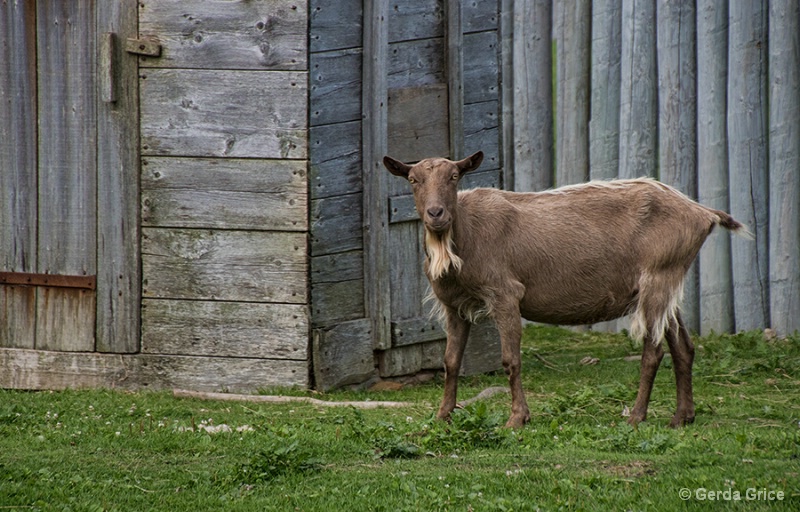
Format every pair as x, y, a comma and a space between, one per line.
435, 212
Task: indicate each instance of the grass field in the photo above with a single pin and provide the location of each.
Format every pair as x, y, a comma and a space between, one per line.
112, 450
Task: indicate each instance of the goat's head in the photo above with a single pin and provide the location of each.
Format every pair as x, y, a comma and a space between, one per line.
434, 182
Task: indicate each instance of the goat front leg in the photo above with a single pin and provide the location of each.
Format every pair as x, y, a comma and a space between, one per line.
457, 334
509, 323
652, 353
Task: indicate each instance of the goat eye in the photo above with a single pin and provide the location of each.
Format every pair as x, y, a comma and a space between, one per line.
455, 177
412, 180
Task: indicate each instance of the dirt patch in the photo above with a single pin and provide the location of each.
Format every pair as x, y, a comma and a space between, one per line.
633, 469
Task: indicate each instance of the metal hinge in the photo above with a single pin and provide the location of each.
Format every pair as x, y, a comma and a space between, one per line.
48, 280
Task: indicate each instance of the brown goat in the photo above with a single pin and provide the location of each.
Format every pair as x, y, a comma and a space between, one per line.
574, 255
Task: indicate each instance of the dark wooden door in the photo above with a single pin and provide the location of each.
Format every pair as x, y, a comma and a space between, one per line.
68, 153
417, 105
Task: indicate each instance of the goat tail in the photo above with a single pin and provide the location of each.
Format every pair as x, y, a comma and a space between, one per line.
727, 221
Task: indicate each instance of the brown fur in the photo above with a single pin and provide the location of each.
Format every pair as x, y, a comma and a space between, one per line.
575, 255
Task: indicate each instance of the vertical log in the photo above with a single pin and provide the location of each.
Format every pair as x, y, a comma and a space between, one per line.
506, 28
677, 118
716, 286
572, 33
604, 105
605, 83
747, 151
784, 165
533, 95
638, 94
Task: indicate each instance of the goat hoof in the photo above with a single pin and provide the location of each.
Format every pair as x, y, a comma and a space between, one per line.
681, 420
518, 421
635, 419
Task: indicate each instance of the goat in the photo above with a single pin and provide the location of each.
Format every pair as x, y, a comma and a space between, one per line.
579, 254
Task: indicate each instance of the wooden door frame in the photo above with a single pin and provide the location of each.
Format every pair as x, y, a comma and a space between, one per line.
118, 168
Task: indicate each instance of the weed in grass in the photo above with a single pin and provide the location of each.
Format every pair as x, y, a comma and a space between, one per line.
280, 455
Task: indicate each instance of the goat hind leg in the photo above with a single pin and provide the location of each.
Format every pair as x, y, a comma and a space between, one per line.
682, 350
457, 334
652, 353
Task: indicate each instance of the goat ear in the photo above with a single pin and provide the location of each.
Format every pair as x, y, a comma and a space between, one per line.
470, 163
396, 167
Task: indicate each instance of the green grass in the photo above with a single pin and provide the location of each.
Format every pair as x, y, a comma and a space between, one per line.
109, 450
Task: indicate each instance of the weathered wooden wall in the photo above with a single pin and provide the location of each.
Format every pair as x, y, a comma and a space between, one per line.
224, 201
704, 96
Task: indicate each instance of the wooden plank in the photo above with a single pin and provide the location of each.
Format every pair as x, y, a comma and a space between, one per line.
377, 69
418, 123
416, 19
420, 329
225, 329
335, 87
226, 374
747, 150
65, 319
333, 268
784, 165
572, 36
638, 123
605, 81
193, 112
533, 96
220, 34
67, 175
118, 262
716, 286
38, 369
491, 178
337, 301
415, 63
402, 209
341, 355
224, 265
677, 119
482, 133
336, 224
334, 166
454, 59
334, 26
408, 285
18, 204
398, 361
17, 316
225, 193
480, 16
337, 287
481, 67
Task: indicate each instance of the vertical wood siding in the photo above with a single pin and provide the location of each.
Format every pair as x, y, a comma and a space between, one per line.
681, 92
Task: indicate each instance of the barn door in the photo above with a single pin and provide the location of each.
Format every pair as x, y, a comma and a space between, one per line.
68, 218
413, 108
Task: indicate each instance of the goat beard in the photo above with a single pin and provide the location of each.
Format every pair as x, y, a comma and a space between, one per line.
440, 249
